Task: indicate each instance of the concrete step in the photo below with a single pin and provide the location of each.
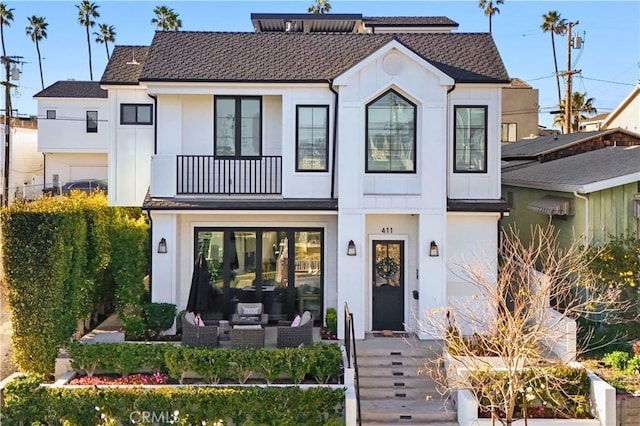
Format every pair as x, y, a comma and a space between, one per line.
424, 412
388, 371
418, 393
388, 361
396, 383
400, 350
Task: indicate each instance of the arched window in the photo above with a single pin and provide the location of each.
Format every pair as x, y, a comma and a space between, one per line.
391, 135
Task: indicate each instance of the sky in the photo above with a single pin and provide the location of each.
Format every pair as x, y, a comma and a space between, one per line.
609, 59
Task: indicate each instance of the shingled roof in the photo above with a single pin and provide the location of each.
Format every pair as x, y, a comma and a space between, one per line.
73, 89
298, 57
536, 147
125, 65
577, 172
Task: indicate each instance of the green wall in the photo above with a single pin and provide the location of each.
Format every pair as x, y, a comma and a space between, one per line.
610, 212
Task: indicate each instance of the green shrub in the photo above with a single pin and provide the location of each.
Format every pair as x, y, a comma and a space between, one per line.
129, 246
633, 366
331, 318
159, 316
320, 361
57, 254
616, 359
122, 358
25, 402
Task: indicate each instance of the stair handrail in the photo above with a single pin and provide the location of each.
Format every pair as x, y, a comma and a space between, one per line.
352, 358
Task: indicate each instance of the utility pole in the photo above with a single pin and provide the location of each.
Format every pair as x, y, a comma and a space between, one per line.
568, 74
7, 61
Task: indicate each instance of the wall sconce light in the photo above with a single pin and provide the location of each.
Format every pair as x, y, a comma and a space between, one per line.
351, 248
433, 249
162, 245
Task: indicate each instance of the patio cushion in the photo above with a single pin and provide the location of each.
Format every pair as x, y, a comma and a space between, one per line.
306, 317
296, 321
251, 311
190, 317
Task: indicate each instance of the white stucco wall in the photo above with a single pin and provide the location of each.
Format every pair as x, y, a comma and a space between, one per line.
68, 132
472, 242
70, 167
26, 163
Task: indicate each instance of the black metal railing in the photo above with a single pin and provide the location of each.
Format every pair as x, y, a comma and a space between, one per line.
352, 358
207, 174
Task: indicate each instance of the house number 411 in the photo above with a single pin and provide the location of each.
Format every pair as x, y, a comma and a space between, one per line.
387, 230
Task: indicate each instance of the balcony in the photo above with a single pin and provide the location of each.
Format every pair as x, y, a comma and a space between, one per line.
209, 175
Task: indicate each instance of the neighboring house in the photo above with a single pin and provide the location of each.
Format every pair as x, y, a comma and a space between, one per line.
312, 169
593, 123
586, 184
627, 114
519, 111
624, 116
25, 162
73, 131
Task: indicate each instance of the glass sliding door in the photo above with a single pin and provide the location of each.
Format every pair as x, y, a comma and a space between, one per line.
308, 272
281, 268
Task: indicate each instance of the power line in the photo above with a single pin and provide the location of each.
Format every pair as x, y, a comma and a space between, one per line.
608, 81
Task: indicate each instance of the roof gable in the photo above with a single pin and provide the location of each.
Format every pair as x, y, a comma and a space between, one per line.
635, 93
299, 57
397, 46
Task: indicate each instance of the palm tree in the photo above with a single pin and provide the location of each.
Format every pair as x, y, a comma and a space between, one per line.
321, 7
554, 24
106, 34
6, 16
87, 11
580, 105
489, 9
166, 19
37, 30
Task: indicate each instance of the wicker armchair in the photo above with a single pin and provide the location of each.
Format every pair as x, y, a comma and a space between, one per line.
193, 335
247, 336
292, 337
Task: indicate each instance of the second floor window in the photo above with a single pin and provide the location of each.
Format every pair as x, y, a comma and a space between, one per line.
508, 132
238, 126
92, 121
51, 114
391, 135
470, 139
136, 114
312, 138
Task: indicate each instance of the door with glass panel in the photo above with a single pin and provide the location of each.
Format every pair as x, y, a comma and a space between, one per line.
388, 285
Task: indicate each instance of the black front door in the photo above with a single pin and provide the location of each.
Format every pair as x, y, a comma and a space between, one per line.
388, 285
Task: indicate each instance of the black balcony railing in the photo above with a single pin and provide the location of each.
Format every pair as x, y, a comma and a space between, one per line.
207, 174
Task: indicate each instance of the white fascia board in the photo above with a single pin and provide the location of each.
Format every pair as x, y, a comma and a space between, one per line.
581, 189
445, 79
195, 88
610, 183
481, 85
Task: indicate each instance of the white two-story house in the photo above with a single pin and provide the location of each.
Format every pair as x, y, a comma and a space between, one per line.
73, 131
313, 167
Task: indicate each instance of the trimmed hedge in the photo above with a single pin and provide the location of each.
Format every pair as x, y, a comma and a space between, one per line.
26, 402
58, 255
320, 362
